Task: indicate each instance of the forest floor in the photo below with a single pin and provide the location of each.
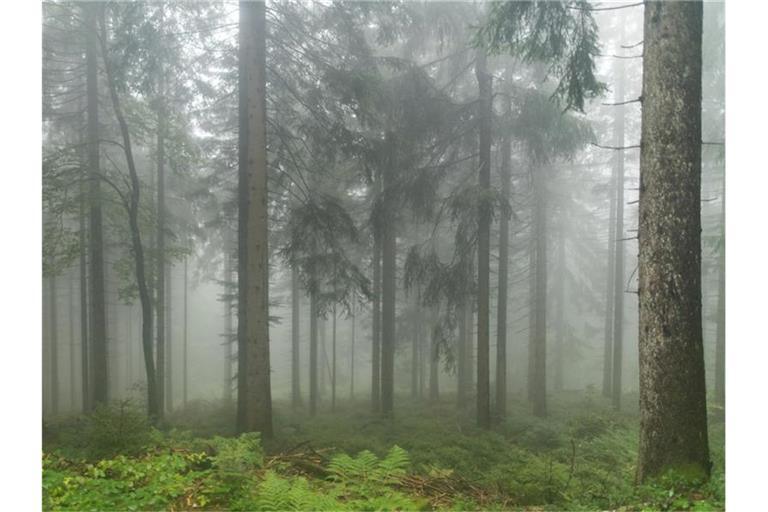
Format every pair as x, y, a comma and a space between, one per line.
430, 456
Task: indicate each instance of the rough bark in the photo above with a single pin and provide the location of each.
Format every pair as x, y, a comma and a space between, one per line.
501, 311
484, 245
257, 399
98, 315
673, 415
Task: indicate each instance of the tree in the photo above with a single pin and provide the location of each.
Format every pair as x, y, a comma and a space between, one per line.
673, 414
295, 369
501, 303
254, 397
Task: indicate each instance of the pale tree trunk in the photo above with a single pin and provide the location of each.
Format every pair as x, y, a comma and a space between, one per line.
388, 286
720, 340
415, 341
462, 359
618, 272
313, 392
98, 315
254, 313
133, 204
484, 245
83, 290
376, 326
608, 329
160, 283
560, 333
333, 358
538, 350
501, 312
673, 409
168, 339
295, 312
54, 345
352, 354
71, 325
185, 346
229, 338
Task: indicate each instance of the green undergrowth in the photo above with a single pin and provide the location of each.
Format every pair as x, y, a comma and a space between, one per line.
429, 456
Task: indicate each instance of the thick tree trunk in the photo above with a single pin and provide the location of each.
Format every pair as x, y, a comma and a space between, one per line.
295, 369
153, 403
98, 315
484, 245
538, 350
254, 312
618, 272
673, 412
501, 311
313, 394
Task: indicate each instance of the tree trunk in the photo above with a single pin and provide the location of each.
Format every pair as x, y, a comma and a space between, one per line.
462, 360
153, 403
720, 340
609, 293
333, 358
98, 315
54, 345
376, 324
560, 334
229, 338
160, 304
71, 325
673, 412
388, 285
434, 358
83, 289
254, 282
313, 394
618, 293
185, 348
484, 245
501, 312
295, 369
538, 350
415, 341
352, 355
168, 339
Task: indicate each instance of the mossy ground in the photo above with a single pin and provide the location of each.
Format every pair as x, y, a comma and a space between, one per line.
581, 457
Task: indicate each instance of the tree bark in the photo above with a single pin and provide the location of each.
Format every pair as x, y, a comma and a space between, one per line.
501, 311
254, 282
484, 244
673, 413
98, 315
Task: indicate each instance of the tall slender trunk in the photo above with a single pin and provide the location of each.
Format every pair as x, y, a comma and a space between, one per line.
168, 339
83, 290
160, 283
415, 341
71, 325
388, 284
462, 360
484, 246
131, 356
501, 312
333, 359
434, 358
608, 332
538, 351
673, 408
720, 339
133, 204
352, 355
98, 315
324, 356
54, 344
229, 339
618, 297
560, 333
185, 347
376, 323
295, 369
254, 282
313, 394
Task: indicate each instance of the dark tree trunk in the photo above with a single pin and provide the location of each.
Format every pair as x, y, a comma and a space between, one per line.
673, 412
313, 392
538, 350
484, 246
295, 369
618, 272
501, 312
254, 283
98, 315
133, 204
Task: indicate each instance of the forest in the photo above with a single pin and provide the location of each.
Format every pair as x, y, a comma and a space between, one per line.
383, 255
